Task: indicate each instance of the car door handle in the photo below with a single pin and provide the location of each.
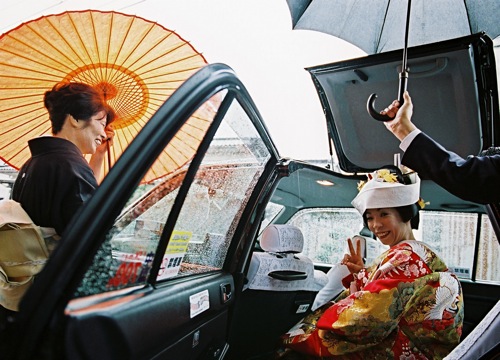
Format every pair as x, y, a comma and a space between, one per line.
225, 293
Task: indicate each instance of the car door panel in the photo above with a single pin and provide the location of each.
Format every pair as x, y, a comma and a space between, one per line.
453, 84
153, 323
479, 299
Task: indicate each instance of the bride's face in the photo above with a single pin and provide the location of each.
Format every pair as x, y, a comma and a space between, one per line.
387, 225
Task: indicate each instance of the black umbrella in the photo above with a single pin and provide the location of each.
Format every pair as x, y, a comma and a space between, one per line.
376, 25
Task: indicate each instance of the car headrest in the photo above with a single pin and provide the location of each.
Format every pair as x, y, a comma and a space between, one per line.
282, 239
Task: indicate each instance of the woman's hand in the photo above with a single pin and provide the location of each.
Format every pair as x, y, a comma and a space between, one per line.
97, 159
353, 260
110, 134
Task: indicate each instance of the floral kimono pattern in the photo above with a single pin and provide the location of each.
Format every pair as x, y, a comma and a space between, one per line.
405, 306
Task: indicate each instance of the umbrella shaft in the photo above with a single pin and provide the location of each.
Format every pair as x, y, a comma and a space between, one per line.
407, 30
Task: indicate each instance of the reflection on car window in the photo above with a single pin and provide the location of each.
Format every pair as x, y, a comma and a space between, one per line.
214, 203
125, 257
272, 210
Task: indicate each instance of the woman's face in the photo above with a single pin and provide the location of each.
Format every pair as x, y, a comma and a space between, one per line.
91, 134
387, 225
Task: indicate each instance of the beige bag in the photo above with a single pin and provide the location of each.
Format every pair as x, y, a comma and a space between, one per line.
23, 253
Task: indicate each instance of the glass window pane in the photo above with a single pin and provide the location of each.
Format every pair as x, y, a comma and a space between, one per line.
488, 259
453, 236
326, 231
272, 210
215, 201
126, 256
206, 223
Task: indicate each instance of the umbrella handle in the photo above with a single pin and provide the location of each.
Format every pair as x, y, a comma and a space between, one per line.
403, 76
370, 104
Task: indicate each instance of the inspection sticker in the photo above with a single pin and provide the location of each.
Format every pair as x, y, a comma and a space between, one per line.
199, 302
176, 249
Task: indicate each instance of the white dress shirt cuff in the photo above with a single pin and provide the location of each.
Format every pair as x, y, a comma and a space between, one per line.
408, 139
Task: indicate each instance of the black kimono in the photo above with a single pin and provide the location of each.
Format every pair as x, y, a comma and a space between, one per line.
53, 184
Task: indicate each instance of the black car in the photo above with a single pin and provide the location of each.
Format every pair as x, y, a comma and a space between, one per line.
164, 270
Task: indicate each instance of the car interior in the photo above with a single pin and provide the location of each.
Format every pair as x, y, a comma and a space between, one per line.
480, 295
362, 144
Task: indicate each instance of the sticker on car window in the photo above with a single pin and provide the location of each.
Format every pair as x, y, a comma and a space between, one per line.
174, 254
133, 269
199, 302
460, 271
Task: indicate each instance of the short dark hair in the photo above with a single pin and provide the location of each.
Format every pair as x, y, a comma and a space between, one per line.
79, 100
410, 213
407, 213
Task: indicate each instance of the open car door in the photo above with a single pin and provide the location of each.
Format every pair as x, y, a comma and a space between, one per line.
453, 85
149, 271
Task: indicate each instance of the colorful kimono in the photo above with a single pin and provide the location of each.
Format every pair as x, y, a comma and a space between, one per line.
405, 306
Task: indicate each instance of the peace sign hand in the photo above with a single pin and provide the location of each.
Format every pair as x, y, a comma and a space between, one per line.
354, 260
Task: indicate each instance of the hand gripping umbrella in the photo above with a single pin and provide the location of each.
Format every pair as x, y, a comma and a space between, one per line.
136, 64
403, 78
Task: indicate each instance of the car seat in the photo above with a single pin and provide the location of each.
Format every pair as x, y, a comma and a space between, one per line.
281, 267
281, 287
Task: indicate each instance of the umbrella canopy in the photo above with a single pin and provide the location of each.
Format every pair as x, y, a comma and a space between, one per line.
136, 63
377, 26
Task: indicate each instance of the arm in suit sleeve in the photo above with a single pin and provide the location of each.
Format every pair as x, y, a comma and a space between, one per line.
474, 179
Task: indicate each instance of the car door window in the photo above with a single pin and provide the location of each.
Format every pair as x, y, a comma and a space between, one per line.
215, 200
443, 231
488, 254
325, 231
218, 195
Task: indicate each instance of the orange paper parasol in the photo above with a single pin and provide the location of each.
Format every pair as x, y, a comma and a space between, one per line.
136, 63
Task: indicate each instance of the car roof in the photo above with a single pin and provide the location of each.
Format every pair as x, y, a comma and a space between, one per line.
301, 189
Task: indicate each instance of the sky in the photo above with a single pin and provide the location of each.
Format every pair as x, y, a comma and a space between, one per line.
254, 37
